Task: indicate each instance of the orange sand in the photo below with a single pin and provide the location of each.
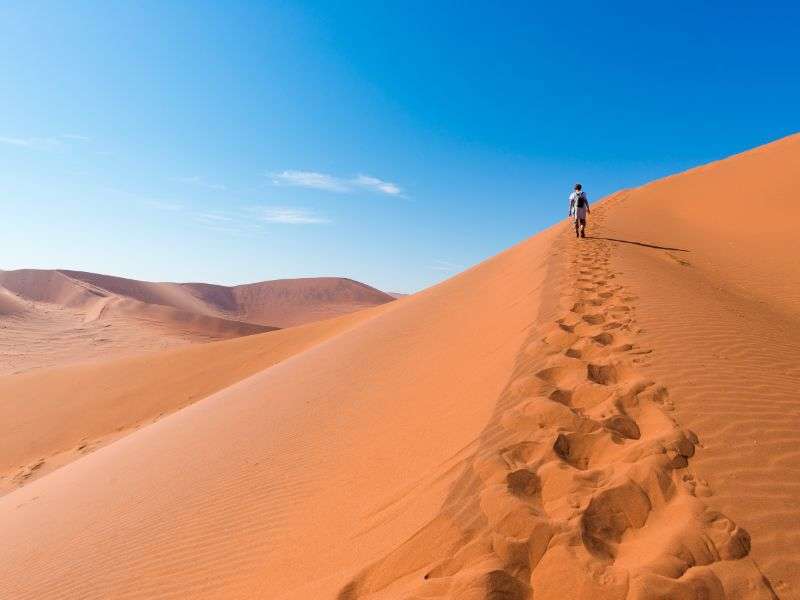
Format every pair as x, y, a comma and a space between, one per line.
53, 416
613, 417
53, 318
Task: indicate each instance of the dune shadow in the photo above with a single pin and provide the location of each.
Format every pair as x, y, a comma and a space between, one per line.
594, 237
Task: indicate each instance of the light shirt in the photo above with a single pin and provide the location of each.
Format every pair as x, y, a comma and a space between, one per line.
573, 204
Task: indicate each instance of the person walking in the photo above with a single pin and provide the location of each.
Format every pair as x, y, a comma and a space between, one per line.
578, 209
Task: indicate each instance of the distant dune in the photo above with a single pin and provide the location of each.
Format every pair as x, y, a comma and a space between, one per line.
73, 316
10, 303
279, 303
608, 418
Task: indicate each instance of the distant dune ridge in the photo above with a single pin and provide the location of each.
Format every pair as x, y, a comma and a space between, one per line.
72, 316
278, 303
608, 418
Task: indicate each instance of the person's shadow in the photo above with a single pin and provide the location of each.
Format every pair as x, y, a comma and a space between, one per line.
594, 237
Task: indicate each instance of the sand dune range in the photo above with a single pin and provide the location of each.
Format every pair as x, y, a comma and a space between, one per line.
278, 303
56, 317
580, 487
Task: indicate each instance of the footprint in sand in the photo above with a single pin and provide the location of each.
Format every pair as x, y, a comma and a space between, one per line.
594, 319
604, 339
603, 374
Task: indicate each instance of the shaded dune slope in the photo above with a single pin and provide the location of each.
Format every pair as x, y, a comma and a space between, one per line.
10, 303
605, 418
280, 303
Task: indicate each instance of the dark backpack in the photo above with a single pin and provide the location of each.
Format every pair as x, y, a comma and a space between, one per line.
580, 201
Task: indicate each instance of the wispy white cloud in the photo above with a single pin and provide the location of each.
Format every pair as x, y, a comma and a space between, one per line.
212, 217
309, 179
289, 216
41, 143
331, 183
232, 230
443, 265
33, 143
199, 182
162, 205
376, 185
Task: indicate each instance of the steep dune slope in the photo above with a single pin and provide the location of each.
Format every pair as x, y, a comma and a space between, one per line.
10, 303
52, 287
53, 416
297, 475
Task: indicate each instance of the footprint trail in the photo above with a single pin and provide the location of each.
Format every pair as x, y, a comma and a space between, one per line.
580, 486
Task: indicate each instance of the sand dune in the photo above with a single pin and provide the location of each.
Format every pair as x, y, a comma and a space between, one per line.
51, 417
721, 307
10, 303
613, 417
72, 316
279, 303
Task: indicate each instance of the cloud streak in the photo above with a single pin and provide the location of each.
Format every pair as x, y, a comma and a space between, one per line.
32, 143
289, 216
212, 217
331, 183
199, 182
161, 205
376, 185
41, 143
246, 220
310, 179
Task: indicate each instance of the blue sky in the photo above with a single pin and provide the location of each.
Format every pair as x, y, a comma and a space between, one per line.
391, 142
